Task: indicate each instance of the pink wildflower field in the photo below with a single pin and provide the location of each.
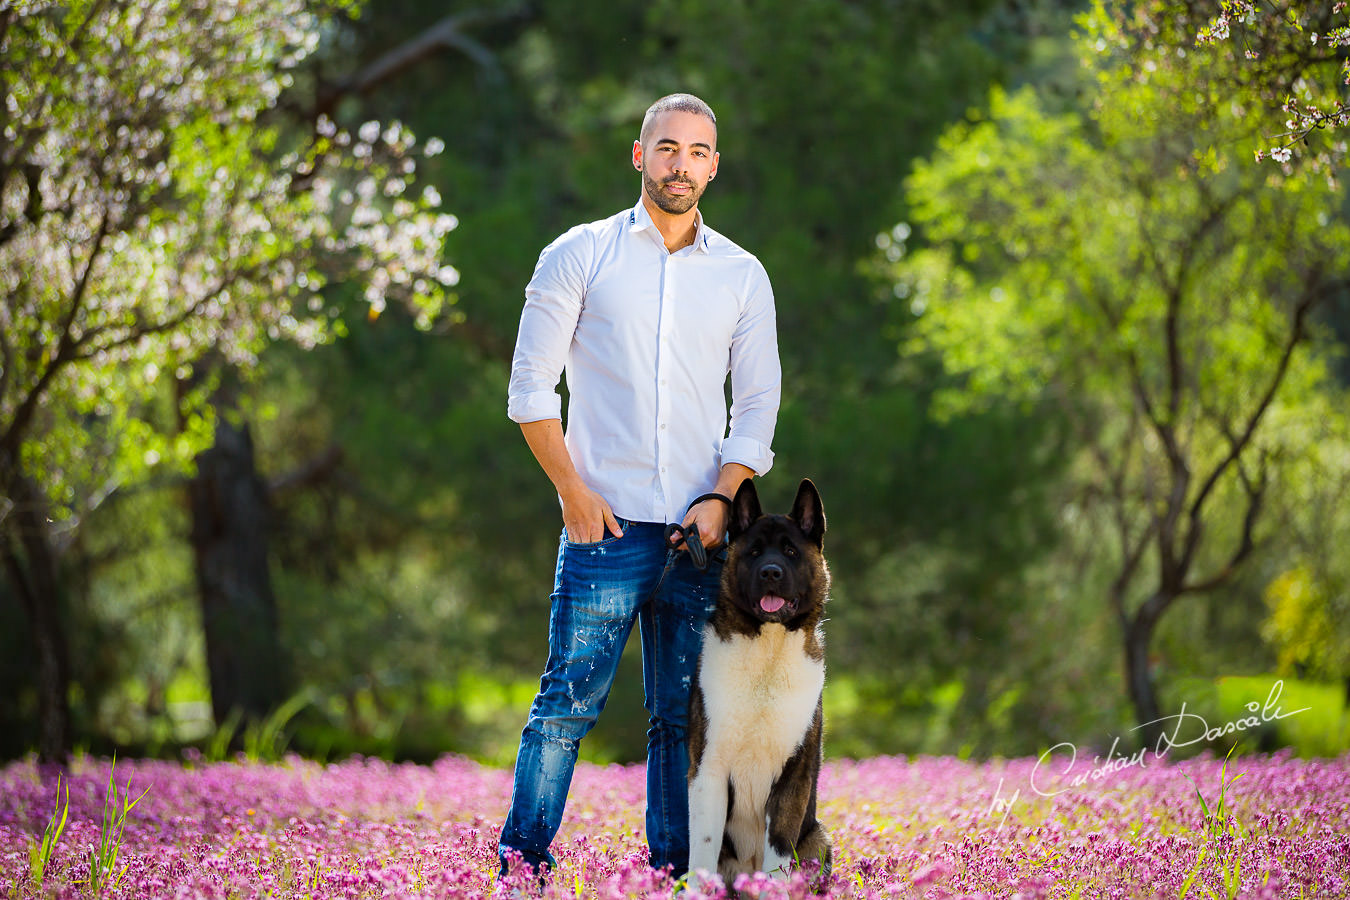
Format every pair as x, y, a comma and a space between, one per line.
902, 828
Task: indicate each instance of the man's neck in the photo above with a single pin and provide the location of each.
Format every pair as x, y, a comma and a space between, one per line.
677, 230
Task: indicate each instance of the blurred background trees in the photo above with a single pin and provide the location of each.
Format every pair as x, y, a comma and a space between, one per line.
1120, 264
1061, 354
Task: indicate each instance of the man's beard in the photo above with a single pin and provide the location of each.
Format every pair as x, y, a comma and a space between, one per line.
674, 204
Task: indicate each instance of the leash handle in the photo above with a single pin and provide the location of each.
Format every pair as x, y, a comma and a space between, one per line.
698, 554
709, 496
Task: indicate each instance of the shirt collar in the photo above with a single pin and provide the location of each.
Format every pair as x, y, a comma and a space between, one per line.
640, 220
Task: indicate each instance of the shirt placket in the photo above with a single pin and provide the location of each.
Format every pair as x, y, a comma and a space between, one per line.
665, 327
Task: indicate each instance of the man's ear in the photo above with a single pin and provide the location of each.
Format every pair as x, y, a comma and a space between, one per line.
809, 513
744, 510
637, 155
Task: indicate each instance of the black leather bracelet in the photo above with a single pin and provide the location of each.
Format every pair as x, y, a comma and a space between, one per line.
711, 496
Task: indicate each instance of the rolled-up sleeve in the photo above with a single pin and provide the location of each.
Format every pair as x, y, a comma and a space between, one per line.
553, 301
756, 379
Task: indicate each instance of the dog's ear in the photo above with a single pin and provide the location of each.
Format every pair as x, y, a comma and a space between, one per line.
809, 513
745, 510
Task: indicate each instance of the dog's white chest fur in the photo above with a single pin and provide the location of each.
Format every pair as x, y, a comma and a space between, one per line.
760, 696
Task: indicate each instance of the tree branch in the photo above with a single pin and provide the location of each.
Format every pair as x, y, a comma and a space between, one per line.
65, 347
308, 473
87, 350
1174, 565
32, 207
1239, 443
447, 33
1190, 249
6, 350
1246, 543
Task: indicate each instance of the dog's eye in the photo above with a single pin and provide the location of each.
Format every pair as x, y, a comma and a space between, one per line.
789, 551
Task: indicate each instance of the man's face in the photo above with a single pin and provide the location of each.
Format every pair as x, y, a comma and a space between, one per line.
677, 157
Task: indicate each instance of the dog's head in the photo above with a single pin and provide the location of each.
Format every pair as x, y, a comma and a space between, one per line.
775, 565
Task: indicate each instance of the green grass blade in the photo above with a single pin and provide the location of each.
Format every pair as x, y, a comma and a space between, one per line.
1186, 885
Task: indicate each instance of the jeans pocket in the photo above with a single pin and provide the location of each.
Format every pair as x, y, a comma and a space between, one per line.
609, 538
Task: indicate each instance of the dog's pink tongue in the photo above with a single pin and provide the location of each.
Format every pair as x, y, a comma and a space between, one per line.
770, 603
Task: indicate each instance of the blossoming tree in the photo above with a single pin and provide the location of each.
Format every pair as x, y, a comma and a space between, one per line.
1293, 62
155, 212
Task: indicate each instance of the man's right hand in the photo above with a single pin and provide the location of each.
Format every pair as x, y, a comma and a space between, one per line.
586, 515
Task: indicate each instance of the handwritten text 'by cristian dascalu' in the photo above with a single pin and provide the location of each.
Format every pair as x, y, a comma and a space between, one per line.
1055, 769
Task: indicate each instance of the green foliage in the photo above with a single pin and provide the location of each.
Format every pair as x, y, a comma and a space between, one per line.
103, 857
262, 740
41, 853
1219, 823
404, 570
1308, 598
1309, 717
1063, 256
138, 645
1301, 623
439, 535
968, 396
1120, 264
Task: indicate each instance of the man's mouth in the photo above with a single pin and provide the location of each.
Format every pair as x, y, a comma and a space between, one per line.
679, 187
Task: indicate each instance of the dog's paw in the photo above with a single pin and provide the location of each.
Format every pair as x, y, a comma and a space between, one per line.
700, 885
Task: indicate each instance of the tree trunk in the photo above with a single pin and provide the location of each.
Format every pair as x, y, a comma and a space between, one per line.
1139, 678
30, 566
239, 614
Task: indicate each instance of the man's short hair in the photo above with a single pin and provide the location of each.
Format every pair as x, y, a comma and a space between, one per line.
676, 103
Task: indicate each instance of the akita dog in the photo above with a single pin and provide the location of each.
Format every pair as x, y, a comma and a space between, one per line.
755, 711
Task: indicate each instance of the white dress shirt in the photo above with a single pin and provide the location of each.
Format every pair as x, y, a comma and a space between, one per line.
647, 339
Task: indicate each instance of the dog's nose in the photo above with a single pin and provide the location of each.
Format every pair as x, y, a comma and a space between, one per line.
771, 572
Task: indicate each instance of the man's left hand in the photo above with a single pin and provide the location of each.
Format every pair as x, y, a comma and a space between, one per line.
711, 518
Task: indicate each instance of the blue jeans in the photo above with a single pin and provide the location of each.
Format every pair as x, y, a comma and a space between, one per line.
599, 590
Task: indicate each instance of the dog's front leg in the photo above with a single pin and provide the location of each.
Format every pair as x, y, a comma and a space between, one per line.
707, 820
776, 862
791, 833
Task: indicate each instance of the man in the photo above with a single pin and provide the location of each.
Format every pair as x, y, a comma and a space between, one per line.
648, 311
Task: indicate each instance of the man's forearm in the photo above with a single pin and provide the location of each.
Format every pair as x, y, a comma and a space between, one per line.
730, 477
586, 514
545, 438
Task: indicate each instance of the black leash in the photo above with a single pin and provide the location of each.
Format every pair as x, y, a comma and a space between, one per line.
689, 537
698, 554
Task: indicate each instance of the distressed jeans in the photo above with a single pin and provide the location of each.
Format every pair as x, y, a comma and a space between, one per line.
600, 589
